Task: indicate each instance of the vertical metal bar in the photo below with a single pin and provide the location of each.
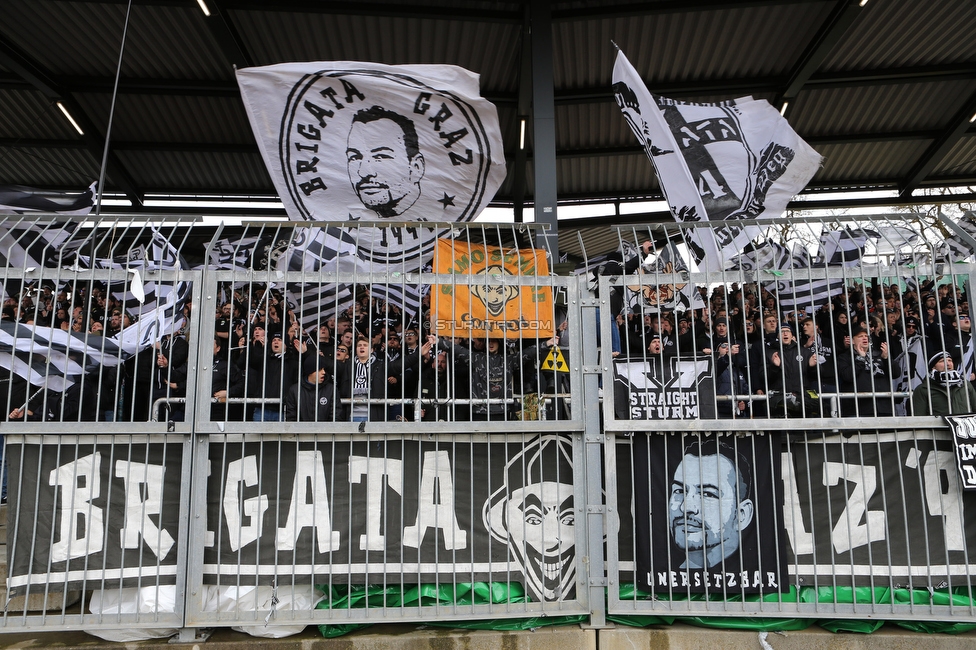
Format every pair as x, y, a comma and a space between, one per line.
594, 443
544, 126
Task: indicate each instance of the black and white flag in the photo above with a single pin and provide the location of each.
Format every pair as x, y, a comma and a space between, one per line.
370, 143
844, 247
910, 367
716, 162
762, 256
19, 199
960, 249
352, 141
798, 292
33, 351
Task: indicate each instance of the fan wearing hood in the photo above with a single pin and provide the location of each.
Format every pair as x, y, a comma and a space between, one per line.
944, 391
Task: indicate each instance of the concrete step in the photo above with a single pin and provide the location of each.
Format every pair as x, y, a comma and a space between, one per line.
572, 637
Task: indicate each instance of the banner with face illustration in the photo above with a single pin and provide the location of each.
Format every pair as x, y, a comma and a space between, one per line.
394, 145
322, 512
494, 304
708, 514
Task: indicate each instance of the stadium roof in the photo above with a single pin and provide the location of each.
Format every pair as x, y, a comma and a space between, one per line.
885, 91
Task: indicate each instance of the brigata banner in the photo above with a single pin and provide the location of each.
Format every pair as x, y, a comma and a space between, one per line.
334, 511
92, 511
495, 305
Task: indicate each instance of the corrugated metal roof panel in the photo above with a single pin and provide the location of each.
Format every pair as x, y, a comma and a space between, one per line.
623, 174
961, 160
275, 37
197, 171
869, 161
878, 109
48, 168
83, 38
752, 46
172, 118
738, 42
29, 114
901, 33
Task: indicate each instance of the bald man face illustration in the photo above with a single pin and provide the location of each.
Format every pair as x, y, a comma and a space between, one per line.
383, 161
708, 509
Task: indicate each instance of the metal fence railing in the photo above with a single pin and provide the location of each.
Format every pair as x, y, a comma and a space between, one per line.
806, 471
266, 427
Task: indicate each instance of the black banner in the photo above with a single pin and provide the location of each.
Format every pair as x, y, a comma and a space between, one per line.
963, 429
664, 389
329, 512
856, 510
860, 509
92, 509
708, 514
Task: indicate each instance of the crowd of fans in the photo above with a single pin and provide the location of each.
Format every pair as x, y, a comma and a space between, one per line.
370, 362
873, 350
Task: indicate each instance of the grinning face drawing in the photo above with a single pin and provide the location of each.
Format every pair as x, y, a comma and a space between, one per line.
495, 296
534, 515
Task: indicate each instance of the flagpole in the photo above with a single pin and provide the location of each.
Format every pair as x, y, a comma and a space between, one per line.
111, 114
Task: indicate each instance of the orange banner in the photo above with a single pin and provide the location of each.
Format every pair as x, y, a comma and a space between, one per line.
510, 299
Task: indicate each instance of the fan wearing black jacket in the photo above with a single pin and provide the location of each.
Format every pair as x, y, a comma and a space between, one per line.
314, 397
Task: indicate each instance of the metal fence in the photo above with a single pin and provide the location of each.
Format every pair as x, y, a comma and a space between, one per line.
286, 425
802, 393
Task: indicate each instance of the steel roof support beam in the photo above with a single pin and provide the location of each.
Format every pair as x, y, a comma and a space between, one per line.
958, 126
839, 21
756, 85
544, 126
588, 152
21, 65
228, 38
523, 114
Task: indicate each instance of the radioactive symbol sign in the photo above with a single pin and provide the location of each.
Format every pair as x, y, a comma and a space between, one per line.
555, 361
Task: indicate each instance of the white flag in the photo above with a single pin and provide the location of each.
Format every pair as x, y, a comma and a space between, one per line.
716, 162
347, 141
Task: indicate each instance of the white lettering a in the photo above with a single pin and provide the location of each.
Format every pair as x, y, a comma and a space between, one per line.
436, 510
309, 506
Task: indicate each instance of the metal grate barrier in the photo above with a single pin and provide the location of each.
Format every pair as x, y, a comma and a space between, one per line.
193, 439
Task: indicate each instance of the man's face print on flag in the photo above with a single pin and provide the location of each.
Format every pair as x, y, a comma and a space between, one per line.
384, 161
364, 141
